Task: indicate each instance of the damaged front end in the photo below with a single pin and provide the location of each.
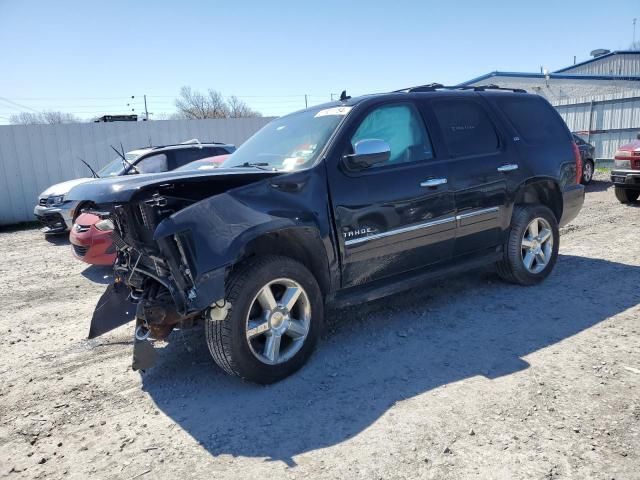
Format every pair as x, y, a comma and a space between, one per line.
157, 281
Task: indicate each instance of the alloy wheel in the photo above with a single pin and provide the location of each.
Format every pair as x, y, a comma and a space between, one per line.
587, 173
278, 321
537, 245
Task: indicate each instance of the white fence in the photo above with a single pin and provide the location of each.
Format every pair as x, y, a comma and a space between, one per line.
33, 157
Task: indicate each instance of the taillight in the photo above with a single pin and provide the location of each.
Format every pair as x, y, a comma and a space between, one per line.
576, 153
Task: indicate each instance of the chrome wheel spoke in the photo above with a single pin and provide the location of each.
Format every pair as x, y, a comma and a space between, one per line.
541, 258
544, 235
296, 329
533, 228
266, 299
290, 297
272, 347
528, 260
257, 327
527, 243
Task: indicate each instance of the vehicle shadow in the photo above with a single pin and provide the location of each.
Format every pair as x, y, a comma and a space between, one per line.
381, 353
597, 186
102, 274
58, 239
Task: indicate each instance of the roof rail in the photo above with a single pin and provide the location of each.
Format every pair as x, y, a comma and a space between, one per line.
432, 87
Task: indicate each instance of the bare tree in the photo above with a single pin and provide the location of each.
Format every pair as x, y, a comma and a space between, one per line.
46, 117
238, 108
168, 116
195, 105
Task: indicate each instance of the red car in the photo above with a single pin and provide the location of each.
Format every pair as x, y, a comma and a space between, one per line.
90, 238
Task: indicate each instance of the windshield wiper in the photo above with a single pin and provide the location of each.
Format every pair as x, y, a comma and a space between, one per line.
95, 175
125, 162
259, 165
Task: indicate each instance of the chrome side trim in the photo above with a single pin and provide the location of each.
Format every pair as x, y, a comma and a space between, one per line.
397, 231
355, 241
477, 212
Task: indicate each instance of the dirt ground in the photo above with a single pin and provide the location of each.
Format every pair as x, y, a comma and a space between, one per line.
466, 378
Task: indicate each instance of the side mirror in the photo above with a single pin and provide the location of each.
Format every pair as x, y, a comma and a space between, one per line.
368, 152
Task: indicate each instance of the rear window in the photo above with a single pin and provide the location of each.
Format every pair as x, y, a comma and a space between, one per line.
535, 120
466, 127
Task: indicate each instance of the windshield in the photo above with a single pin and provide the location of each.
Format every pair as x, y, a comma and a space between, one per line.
116, 166
290, 143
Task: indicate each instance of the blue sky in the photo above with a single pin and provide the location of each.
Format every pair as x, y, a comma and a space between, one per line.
88, 57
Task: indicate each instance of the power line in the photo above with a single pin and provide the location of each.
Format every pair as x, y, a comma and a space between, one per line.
6, 100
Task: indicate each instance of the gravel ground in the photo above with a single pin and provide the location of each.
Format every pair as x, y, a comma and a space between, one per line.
466, 378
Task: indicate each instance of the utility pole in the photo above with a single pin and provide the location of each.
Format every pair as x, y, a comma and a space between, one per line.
146, 112
634, 32
305, 101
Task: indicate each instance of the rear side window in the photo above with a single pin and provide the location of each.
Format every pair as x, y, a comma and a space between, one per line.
182, 157
466, 127
153, 164
535, 120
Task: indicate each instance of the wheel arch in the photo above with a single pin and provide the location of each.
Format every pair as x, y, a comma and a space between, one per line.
302, 244
81, 206
543, 191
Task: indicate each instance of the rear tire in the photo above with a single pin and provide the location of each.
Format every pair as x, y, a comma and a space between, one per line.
531, 247
273, 322
587, 172
626, 196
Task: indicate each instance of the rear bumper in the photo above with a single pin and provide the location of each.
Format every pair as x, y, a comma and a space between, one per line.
628, 179
572, 201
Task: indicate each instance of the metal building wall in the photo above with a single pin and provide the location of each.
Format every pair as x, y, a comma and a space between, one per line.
611, 122
618, 64
34, 157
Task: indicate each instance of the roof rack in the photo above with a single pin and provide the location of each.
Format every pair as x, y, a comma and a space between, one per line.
432, 87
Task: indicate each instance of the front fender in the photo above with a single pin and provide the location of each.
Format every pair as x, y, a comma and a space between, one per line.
215, 231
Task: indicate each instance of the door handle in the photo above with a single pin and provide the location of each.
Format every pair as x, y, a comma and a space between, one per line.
433, 182
509, 167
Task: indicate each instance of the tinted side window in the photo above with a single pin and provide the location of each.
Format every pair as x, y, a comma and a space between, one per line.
402, 128
466, 127
182, 157
153, 164
535, 120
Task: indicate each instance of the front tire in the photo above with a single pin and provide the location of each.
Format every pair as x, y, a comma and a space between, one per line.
531, 248
273, 322
626, 196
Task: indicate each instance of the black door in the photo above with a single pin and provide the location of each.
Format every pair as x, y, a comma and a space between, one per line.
395, 216
483, 167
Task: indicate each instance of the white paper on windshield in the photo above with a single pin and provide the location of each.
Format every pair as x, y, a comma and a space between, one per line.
333, 111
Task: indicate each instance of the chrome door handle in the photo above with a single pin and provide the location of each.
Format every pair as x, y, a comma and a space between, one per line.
509, 167
433, 182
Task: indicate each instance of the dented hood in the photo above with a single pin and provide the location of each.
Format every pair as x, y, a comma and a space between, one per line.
122, 189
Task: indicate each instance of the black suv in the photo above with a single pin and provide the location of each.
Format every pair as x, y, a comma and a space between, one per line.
338, 204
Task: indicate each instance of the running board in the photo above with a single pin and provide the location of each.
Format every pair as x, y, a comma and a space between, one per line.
405, 281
